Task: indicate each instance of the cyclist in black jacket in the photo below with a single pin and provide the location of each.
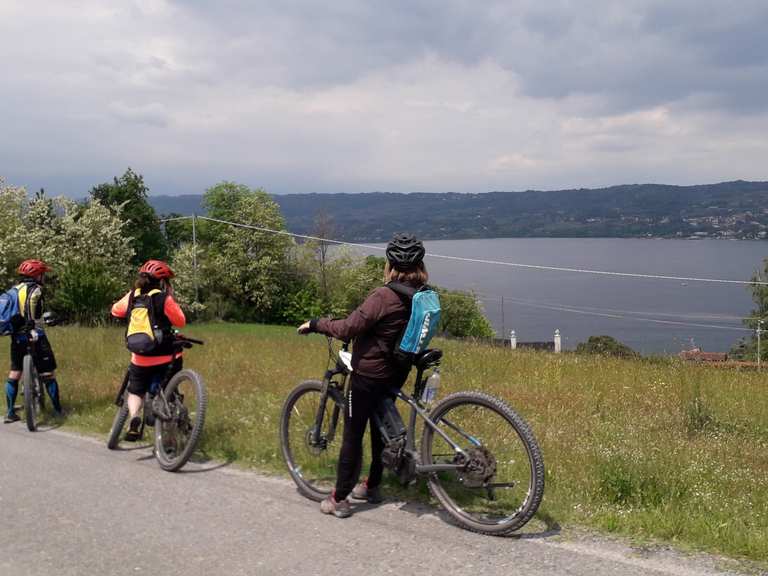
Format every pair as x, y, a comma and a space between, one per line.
375, 327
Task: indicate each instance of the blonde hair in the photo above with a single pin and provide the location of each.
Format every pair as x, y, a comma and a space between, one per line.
417, 276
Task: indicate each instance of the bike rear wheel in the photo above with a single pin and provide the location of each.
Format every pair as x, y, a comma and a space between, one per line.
500, 483
312, 461
33, 407
179, 419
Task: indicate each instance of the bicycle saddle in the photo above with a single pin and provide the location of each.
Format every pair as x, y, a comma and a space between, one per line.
428, 358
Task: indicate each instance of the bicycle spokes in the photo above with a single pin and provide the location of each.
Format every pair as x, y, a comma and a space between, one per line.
493, 474
311, 451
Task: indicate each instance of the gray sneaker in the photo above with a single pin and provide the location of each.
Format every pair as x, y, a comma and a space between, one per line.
339, 509
362, 492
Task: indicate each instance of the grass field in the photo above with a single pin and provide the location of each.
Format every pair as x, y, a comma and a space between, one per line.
650, 448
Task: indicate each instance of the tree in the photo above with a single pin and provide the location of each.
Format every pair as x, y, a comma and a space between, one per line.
142, 224
84, 243
325, 227
13, 203
193, 288
178, 231
249, 266
746, 349
605, 346
462, 315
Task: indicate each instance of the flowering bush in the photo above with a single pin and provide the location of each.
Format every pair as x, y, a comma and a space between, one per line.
84, 244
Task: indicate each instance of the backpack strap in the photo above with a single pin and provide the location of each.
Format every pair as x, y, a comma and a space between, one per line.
406, 294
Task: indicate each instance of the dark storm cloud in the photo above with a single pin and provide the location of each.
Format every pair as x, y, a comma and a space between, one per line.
630, 54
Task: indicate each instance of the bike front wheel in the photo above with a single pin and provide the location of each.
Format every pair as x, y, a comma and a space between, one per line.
117, 425
33, 406
179, 419
311, 457
498, 482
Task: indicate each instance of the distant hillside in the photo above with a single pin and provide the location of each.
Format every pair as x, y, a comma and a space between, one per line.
727, 210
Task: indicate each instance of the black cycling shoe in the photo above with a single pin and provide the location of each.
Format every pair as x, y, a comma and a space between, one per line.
12, 417
134, 430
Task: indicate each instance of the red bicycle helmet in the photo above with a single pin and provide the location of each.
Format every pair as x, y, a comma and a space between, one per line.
157, 269
33, 268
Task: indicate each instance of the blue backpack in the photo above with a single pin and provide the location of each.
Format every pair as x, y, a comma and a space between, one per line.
9, 308
424, 305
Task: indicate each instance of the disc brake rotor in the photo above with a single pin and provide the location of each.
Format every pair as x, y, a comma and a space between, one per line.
315, 448
479, 467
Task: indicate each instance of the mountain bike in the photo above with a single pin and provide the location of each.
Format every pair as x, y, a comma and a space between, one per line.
480, 458
176, 410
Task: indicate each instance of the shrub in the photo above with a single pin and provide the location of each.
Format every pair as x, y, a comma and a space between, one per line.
605, 346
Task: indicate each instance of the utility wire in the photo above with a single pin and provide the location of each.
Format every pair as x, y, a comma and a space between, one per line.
492, 262
695, 317
572, 310
164, 220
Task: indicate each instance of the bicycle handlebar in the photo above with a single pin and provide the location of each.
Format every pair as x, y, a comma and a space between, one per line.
181, 339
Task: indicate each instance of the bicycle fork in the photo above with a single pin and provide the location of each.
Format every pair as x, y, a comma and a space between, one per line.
316, 438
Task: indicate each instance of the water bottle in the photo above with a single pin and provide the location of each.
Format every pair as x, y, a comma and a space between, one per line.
430, 388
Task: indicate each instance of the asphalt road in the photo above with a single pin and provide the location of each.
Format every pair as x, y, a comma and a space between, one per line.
71, 507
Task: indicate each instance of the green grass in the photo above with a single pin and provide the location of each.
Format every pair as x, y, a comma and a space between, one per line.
651, 448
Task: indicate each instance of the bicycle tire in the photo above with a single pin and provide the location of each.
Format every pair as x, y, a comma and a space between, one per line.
32, 390
305, 485
535, 491
118, 423
173, 463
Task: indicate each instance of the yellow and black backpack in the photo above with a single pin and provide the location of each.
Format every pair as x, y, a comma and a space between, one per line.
144, 334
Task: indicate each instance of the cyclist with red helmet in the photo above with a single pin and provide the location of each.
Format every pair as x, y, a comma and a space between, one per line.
28, 324
148, 369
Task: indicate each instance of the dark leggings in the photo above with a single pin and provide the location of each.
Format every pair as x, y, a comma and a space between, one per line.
364, 396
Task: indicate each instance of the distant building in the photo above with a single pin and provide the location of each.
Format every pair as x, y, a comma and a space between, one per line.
697, 355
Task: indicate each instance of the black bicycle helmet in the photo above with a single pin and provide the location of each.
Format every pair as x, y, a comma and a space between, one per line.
405, 251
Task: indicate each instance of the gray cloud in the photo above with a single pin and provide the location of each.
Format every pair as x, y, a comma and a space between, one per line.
631, 54
399, 94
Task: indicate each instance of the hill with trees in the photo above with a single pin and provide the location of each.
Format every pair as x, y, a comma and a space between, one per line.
727, 210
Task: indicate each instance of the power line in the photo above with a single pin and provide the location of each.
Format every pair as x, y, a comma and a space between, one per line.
597, 272
164, 220
492, 262
488, 296
559, 308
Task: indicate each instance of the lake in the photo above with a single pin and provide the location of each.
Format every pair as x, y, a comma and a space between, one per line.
651, 316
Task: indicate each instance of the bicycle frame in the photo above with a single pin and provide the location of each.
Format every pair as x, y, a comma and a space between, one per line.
417, 411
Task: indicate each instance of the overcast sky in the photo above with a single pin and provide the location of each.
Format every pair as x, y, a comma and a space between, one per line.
396, 95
